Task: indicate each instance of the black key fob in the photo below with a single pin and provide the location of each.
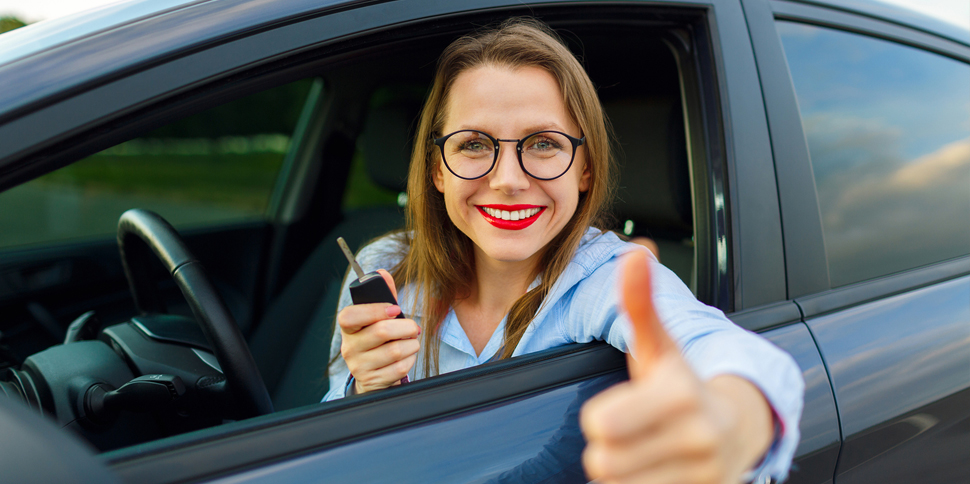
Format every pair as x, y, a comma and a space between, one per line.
371, 288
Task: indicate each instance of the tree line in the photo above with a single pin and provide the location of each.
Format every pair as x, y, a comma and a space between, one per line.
10, 23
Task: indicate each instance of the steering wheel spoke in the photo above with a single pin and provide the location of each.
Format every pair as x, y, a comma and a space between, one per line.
143, 234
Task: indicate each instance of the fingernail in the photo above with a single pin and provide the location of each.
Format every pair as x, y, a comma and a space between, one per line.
419, 330
392, 311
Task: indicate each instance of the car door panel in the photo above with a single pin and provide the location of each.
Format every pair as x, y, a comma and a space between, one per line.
898, 364
372, 419
899, 367
470, 426
529, 439
818, 449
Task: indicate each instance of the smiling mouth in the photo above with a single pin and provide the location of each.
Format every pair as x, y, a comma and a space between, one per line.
510, 217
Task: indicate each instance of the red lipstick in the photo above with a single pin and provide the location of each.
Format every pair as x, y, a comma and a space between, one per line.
510, 224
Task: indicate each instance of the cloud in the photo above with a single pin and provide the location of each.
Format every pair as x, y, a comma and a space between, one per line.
881, 212
948, 163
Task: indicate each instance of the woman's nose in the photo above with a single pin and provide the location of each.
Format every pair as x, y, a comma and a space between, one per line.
507, 175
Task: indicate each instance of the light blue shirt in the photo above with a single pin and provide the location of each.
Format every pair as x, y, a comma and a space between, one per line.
583, 305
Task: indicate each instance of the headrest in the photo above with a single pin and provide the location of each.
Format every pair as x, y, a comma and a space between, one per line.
653, 177
651, 153
387, 137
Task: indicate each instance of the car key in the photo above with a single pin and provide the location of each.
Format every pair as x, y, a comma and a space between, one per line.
370, 287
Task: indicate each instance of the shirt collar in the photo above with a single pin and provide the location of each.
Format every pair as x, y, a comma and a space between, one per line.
453, 335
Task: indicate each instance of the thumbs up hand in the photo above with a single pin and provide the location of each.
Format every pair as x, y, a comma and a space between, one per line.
665, 425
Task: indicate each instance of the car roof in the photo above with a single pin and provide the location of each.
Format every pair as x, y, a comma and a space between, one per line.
900, 15
48, 34
41, 36
93, 46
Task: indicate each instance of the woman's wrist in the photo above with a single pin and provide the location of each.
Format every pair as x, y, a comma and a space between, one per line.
750, 422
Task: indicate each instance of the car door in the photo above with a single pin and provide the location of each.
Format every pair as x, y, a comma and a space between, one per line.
870, 138
525, 406
515, 419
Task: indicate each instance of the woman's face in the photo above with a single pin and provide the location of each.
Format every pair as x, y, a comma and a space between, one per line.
510, 104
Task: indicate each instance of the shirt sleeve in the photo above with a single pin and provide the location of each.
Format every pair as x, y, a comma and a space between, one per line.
711, 344
338, 371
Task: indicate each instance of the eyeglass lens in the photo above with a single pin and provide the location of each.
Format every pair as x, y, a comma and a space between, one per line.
471, 154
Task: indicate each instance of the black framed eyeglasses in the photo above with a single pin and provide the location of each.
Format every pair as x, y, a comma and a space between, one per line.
546, 155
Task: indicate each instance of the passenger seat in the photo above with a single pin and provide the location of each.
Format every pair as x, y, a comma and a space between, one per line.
654, 193
292, 344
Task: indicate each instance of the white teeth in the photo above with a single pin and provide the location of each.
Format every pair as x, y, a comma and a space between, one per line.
513, 215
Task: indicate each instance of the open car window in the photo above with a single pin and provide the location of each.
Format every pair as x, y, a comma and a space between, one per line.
213, 168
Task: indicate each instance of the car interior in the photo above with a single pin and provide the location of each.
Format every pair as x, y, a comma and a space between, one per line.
648, 123
280, 277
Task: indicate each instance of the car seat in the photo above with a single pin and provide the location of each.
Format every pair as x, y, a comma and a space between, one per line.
294, 367
654, 190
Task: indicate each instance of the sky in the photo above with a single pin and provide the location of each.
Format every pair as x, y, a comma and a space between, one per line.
952, 11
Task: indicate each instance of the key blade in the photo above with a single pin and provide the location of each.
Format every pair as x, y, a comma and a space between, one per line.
350, 257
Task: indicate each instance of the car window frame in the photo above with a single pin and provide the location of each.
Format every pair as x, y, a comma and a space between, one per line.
806, 261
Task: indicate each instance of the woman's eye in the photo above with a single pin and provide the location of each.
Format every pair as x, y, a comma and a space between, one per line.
474, 146
543, 144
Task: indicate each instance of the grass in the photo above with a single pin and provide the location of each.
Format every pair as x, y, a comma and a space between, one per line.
238, 181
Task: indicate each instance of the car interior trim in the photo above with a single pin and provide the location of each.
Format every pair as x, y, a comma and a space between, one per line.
700, 112
290, 194
701, 88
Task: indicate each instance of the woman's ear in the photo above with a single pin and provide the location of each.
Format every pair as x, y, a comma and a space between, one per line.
584, 178
439, 176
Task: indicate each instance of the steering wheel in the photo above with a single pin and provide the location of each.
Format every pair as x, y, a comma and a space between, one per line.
142, 233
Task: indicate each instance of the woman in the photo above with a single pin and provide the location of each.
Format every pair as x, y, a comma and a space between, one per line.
509, 176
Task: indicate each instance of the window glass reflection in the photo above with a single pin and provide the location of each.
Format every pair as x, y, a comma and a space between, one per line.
888, 130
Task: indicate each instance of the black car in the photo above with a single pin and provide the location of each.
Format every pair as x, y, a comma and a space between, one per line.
803, 166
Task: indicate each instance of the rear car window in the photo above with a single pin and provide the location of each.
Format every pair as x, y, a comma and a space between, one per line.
888, 130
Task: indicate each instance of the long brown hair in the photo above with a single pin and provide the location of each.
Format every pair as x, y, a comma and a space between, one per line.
438, 259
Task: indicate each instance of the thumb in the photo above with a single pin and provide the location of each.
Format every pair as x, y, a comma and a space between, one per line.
389, 280
651, 340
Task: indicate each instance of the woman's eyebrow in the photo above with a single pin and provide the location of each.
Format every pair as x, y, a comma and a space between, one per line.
528, 130
543, 127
